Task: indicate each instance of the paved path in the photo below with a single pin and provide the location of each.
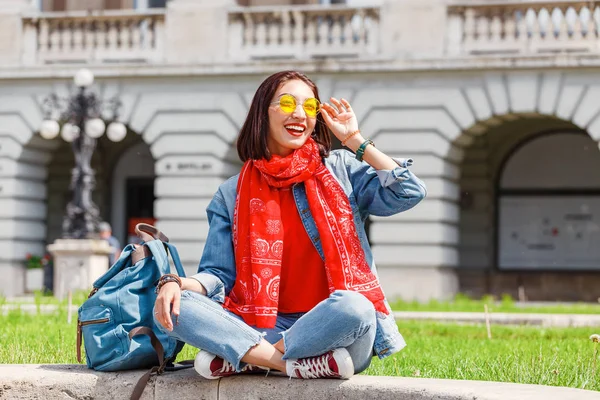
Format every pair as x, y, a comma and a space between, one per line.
548, 320
33, 309
53, 382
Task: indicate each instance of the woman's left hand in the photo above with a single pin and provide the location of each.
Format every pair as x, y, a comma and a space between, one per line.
341, 120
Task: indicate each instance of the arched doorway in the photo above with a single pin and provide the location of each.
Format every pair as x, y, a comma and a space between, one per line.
132, 191
548, 219
524, 185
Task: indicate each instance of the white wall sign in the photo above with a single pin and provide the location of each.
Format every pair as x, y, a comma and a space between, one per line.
549, 232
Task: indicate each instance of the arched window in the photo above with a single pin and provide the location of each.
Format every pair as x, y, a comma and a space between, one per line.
549, 204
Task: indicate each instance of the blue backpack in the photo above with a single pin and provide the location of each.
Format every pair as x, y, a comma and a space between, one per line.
116, 321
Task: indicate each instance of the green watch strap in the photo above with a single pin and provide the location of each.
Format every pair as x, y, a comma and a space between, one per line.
360, 152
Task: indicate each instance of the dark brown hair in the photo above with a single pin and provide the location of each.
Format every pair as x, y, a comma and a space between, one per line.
252, 141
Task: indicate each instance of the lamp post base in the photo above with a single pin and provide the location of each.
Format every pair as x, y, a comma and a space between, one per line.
77, 264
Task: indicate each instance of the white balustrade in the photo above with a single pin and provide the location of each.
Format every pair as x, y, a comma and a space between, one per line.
107, 37
303, 32
502, 28
522, 27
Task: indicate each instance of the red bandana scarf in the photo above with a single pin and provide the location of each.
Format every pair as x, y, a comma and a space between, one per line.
258, 234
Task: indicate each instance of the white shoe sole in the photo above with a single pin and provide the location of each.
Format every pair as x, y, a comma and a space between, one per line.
344, 363
202, 364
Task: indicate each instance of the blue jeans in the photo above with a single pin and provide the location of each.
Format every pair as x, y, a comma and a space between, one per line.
345, 319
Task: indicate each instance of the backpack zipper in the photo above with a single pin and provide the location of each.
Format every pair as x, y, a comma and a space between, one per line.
92, 321
80, 325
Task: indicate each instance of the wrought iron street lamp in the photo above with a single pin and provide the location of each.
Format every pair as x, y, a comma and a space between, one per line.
82, 126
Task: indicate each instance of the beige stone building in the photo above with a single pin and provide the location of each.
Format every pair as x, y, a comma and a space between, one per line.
497, 101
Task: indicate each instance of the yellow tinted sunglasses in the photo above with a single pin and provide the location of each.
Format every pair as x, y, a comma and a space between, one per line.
288, 105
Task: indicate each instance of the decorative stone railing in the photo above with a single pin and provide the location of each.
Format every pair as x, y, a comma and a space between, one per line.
80, 37
521, 27
303, 32
497, 29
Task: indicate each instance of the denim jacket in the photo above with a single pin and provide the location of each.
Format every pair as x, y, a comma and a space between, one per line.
371, 192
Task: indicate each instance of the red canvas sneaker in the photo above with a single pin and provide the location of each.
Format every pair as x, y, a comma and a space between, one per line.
211, 366
333, 364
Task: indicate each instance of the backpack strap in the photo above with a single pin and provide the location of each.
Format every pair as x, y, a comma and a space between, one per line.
159, 251
148, 232
162, 363
176, 259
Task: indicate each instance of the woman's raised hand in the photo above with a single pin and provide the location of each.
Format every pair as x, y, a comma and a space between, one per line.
340, 119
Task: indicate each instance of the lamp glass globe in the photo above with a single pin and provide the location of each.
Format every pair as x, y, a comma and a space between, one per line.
94, 127
49, 129
116, 131
69, 132
84, 78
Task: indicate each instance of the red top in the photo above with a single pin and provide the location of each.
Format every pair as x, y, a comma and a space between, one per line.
303, 279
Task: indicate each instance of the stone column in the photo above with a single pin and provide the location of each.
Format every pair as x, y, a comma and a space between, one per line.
416, 251
184, 187
196, 31
78, 263
191, 133
11, 30
22, 188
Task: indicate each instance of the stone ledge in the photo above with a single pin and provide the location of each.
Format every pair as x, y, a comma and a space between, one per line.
53, 382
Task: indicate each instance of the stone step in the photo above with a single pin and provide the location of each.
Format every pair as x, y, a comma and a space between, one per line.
53, 382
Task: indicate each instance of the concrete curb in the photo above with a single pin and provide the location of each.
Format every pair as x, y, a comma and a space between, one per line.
547, 320
53, 382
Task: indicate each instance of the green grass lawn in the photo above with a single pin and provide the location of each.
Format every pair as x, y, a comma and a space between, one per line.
548, 356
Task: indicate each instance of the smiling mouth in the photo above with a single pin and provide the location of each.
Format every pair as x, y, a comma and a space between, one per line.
295, 130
